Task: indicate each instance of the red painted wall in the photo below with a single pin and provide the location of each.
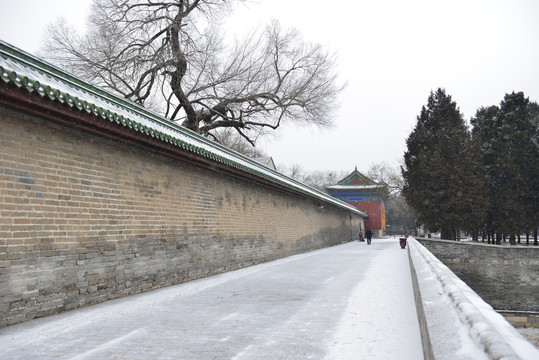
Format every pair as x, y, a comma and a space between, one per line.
376, 211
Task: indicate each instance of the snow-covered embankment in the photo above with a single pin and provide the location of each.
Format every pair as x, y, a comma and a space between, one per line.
455, 322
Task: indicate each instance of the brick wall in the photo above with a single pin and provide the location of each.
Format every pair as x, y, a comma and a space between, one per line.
85, 218
507, 277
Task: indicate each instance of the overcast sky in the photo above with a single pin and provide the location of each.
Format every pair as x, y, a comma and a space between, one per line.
391, 54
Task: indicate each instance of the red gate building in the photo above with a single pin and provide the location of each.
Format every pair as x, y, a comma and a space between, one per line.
358, 190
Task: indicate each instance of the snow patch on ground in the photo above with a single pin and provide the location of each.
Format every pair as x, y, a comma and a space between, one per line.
288, 308
375, 301
531, 334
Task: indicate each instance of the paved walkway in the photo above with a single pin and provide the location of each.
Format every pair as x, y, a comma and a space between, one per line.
351, 301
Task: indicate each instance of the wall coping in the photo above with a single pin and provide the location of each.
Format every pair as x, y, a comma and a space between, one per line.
473, 243
32, 85
455, 322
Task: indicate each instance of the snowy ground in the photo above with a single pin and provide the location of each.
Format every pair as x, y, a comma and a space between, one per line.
351, 301
531, 334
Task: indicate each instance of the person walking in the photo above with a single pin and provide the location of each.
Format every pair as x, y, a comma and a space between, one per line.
368, 235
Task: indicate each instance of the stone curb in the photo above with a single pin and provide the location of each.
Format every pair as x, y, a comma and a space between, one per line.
446, 305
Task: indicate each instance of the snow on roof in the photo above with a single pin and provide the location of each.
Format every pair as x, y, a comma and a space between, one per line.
266, 161
353, 187
355, 181
36, 76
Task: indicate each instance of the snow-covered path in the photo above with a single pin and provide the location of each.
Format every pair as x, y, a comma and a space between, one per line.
351, 301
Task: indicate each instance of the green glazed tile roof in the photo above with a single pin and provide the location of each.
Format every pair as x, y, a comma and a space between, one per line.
355, 180
36, 76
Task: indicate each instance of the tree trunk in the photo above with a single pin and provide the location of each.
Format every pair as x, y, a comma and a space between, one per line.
512, 239
445, 234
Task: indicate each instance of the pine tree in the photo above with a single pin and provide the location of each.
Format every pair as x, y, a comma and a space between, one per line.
510, 153
475, 192
533, 195
483, 134
436, 169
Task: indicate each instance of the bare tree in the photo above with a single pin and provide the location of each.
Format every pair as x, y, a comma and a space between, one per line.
317, 179
391, 177
170, 55
295, 172
399, 215
229, 138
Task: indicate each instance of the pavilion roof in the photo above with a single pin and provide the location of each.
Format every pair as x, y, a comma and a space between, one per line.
355, 180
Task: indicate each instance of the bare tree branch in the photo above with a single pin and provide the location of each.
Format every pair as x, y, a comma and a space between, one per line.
171, 54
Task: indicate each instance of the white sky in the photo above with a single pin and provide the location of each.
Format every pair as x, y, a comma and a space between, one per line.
391, 54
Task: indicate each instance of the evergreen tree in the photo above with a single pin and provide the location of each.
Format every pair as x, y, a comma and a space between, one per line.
511, 162
533, 176
435, 172
510, 153
475, 192
483, 132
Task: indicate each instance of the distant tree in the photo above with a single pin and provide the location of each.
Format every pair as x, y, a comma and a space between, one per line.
399, 215
229, 138
484, 132
171, 56
317, 179
295, 171
510, 152
384, 173
532, 197
475, 188
435, 167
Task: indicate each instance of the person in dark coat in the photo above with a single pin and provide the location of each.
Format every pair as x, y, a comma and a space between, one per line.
368, 235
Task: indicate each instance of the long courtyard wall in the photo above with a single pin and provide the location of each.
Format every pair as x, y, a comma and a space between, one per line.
102, 198
85, 219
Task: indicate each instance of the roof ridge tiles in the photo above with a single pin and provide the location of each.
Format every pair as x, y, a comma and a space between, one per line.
33, 74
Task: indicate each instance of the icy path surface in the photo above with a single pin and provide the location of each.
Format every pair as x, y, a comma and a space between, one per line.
351, 301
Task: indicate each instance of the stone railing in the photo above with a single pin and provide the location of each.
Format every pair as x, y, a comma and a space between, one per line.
455, 322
